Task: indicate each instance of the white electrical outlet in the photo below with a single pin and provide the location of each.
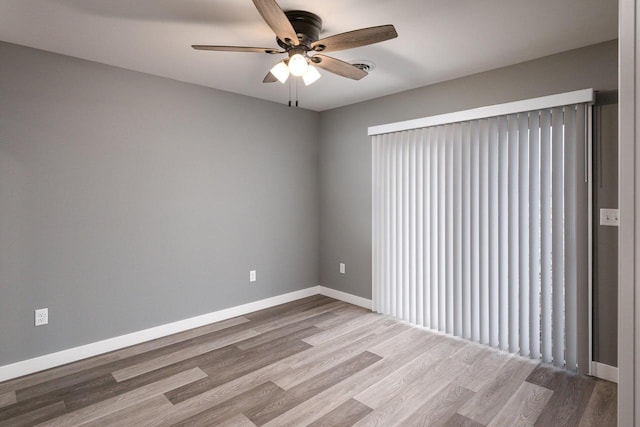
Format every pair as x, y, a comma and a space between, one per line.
342, 268
610, 217
42, 316
252, 276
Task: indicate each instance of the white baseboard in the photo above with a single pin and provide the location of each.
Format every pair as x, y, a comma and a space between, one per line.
343, 296
606, 372
63, 357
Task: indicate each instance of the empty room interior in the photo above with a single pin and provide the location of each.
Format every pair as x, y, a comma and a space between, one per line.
236, 213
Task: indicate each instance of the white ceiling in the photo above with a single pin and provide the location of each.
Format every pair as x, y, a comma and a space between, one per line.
438, 39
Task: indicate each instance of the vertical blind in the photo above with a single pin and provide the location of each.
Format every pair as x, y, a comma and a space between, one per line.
480, 231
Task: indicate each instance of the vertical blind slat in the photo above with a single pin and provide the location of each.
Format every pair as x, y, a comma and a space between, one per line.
468, 315
457, 225
435, 298
557, 225
413, 265
449, 284
503, 232
512, 238
523, 231
582, 239
442, 231
478, 305
494, 255
545, 235
569, 185
534, 234
396, 225
427, 227
377, 176
481, 234
406, 205
392, 227
419, 228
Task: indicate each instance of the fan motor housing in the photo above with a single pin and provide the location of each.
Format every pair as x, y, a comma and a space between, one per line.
307, 26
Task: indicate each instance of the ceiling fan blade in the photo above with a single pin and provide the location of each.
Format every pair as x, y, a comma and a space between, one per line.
269, 78
338, 67
236, 49
356, 38
277, 20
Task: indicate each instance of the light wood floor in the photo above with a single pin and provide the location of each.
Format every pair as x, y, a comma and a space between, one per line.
315, 361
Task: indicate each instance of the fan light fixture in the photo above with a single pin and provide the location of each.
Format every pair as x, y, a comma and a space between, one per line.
298, 66
311, 75
281, 71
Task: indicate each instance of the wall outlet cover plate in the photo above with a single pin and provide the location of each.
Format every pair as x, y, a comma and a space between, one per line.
41, 316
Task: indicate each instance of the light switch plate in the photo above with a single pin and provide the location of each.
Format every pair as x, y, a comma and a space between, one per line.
610, 217
252, 276
342, 268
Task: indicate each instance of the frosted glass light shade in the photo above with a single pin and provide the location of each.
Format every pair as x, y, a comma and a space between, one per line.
298, 65
280, 71
311, 75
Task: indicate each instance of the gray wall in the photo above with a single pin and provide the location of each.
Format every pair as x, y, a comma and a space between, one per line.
605, 239
345, 154
128, 201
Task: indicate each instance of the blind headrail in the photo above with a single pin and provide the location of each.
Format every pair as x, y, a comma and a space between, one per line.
557, 100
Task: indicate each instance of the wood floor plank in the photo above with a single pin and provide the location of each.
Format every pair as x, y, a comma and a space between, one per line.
180, 355
458, 420
346, 312
486, 404
401, 403
397, 381
548, 376
347, 414
313, 366
405, 338
524, 407
343, 329
280, 321
306, 390
284, 330
289, 308
135, 415
436, 411
125, 400
36, 416
44, 400
90, 393
8, 398
253, 400
568, 404
484, 369
400, 379
343, 316
602, 409
246, 362
470, 353
239, 420
408, 348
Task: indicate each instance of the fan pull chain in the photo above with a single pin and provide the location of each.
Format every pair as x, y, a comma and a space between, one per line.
296, 92
289, 93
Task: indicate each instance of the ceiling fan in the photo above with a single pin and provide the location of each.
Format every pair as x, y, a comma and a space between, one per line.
297, 34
